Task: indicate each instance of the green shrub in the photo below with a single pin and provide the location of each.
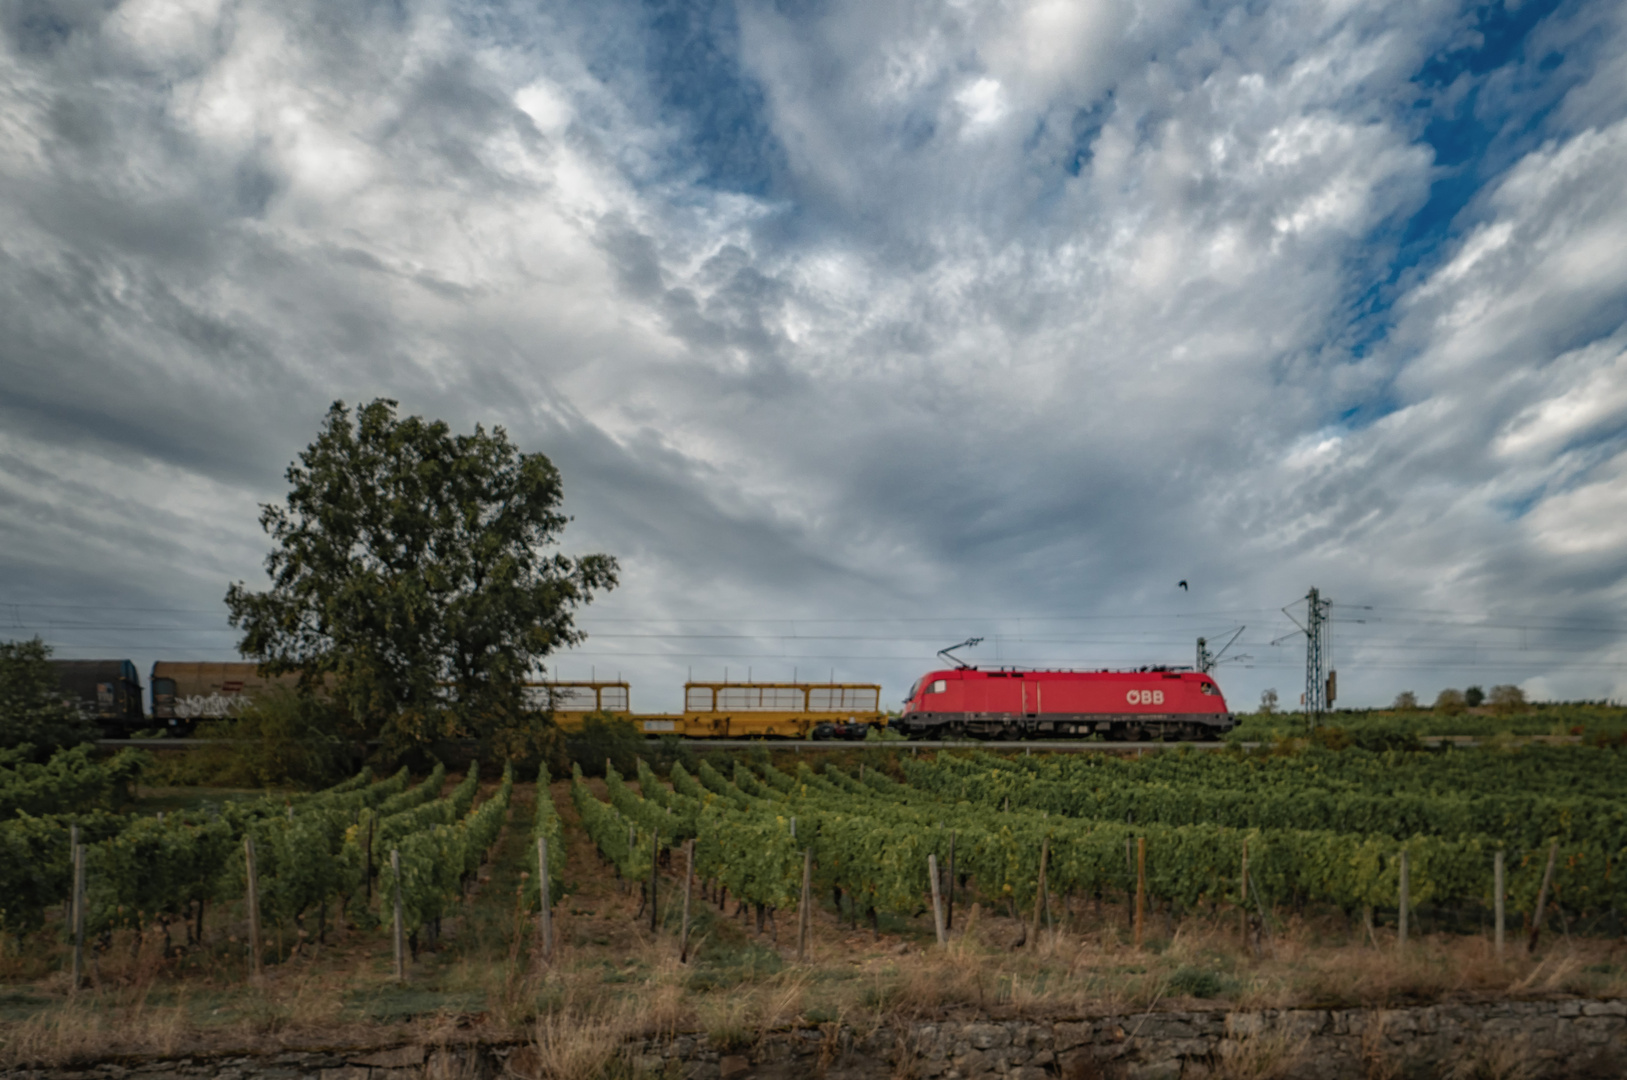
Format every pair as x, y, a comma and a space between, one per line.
31, 707
602, 736
1196, 982
286, 737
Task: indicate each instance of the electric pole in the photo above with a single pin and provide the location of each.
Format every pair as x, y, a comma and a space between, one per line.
1319, 685
1208, 661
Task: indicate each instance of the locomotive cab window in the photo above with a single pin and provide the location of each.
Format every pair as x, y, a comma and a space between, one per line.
938, 686
1209, 688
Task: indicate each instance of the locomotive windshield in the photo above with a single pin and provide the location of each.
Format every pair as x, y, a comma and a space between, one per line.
914, 689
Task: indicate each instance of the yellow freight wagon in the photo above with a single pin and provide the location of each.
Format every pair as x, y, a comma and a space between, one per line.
724, 710
776, 710
571, 702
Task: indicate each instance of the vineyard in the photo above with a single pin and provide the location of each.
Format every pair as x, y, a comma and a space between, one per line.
1317, 829
1591, 723
766, 861
286, 859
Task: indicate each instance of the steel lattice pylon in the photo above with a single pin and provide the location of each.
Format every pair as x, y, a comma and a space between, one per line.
1316, 655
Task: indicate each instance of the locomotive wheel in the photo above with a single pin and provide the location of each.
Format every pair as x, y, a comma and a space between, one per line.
1134, 733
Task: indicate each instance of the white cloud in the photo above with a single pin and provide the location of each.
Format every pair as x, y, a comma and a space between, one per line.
983, 101
1046, 306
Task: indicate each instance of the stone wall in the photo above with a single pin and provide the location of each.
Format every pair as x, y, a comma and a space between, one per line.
1499, 1039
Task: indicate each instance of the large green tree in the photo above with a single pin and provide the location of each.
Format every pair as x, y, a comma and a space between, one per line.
412, 577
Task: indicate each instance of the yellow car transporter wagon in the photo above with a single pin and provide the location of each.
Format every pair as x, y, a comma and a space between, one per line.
721, 710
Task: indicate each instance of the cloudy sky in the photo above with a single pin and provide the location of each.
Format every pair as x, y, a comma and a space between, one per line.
856, 327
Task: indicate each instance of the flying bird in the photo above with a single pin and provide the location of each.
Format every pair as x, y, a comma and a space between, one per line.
1182, 584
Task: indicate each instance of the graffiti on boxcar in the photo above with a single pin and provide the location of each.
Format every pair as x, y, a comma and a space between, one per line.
205, 706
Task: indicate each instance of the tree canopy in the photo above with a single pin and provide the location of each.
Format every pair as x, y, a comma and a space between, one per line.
32, 709
411, 575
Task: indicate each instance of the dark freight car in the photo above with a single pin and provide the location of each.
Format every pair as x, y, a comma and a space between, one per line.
106, 691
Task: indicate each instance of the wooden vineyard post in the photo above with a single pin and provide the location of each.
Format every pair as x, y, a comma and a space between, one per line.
1497, 898
1406, 902
73, 846
545, 892
805, 906
1129, 871
949, 901
254, 907
689, 887
1542, 897
1039, 892
369, 874
77, 902
937, 899
1141, 888
655, 856
1243, 893
398, 936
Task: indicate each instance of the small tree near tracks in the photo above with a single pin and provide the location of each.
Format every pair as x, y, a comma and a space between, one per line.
411, 575
32, 709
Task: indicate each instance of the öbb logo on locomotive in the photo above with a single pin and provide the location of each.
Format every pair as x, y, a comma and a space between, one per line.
961, 702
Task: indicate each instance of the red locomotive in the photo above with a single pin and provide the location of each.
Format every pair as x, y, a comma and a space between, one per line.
1004, 703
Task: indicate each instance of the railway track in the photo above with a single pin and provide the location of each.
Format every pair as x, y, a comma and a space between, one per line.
812, 746
795, 745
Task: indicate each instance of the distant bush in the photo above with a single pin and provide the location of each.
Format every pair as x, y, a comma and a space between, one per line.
1507, 699
1405, 701
1450, 702
1473, 696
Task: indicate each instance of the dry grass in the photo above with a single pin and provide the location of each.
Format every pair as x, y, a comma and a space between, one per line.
571, 1045
87, 1027
1260, 1056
